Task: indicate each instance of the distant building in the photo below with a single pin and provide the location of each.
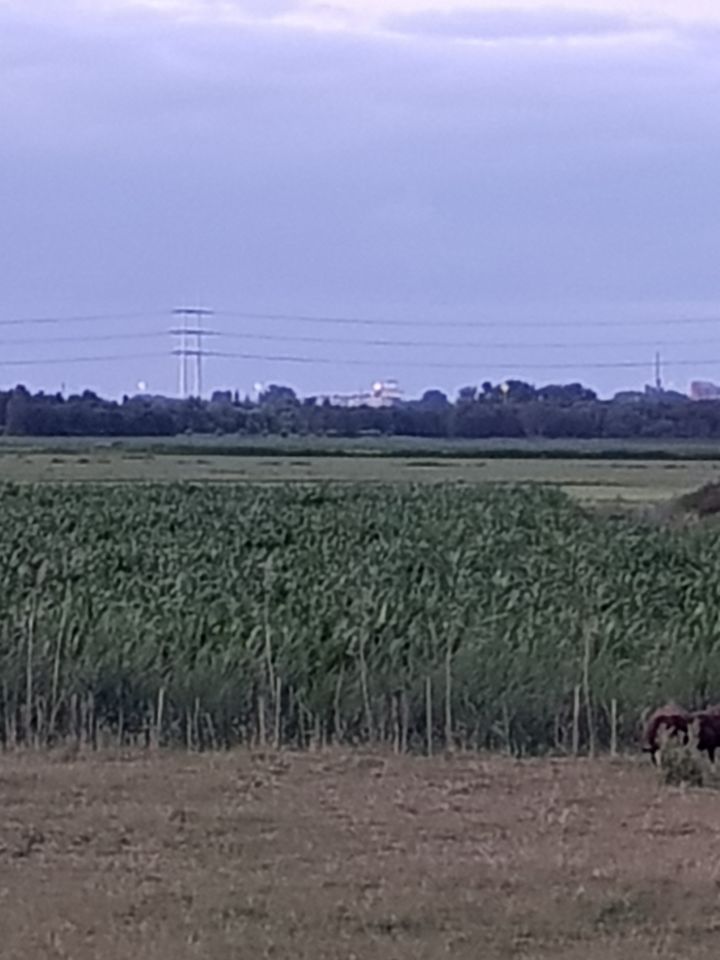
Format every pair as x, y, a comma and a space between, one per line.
649, 393
704, 390
383, 393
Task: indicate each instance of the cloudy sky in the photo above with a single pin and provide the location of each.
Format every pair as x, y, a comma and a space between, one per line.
502, 189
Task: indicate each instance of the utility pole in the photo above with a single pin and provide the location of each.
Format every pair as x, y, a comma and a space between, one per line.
185, 332
658, 373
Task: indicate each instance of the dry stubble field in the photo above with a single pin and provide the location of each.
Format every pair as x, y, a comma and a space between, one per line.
353, 856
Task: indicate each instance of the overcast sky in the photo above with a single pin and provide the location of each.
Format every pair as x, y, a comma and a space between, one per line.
515, 186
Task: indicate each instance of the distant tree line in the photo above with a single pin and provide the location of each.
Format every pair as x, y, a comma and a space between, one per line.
514, 410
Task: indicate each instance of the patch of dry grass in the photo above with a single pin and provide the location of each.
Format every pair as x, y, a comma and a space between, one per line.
353, 855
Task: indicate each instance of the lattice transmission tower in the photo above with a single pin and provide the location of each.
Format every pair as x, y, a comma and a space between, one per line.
190, 335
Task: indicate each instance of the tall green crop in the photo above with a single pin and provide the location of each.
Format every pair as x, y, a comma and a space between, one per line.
415, 617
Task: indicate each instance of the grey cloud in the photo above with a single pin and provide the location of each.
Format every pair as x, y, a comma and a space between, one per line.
283, 171
262, 8
503, 23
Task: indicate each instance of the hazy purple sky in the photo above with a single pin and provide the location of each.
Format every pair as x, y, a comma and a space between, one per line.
406, 160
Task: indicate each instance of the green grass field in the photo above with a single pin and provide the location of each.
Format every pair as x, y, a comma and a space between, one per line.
632, 481
374, 446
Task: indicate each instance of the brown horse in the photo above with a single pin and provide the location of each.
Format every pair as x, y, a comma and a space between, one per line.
674, 721
707, 725
671, 720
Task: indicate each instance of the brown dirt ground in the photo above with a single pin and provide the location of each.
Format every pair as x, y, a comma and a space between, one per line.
353, 856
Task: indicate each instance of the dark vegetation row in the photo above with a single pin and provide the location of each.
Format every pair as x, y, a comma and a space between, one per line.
524, 412
417, 618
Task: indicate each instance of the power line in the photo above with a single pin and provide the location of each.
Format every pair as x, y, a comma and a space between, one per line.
192, 339
79, 318
367, 321
351, 361
355, 341
450, 344
34, 362
436, 365
460, 324
92, 338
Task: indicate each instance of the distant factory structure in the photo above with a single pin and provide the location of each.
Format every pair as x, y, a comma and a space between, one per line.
383, 393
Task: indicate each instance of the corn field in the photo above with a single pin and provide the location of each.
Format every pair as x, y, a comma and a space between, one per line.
298, 616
